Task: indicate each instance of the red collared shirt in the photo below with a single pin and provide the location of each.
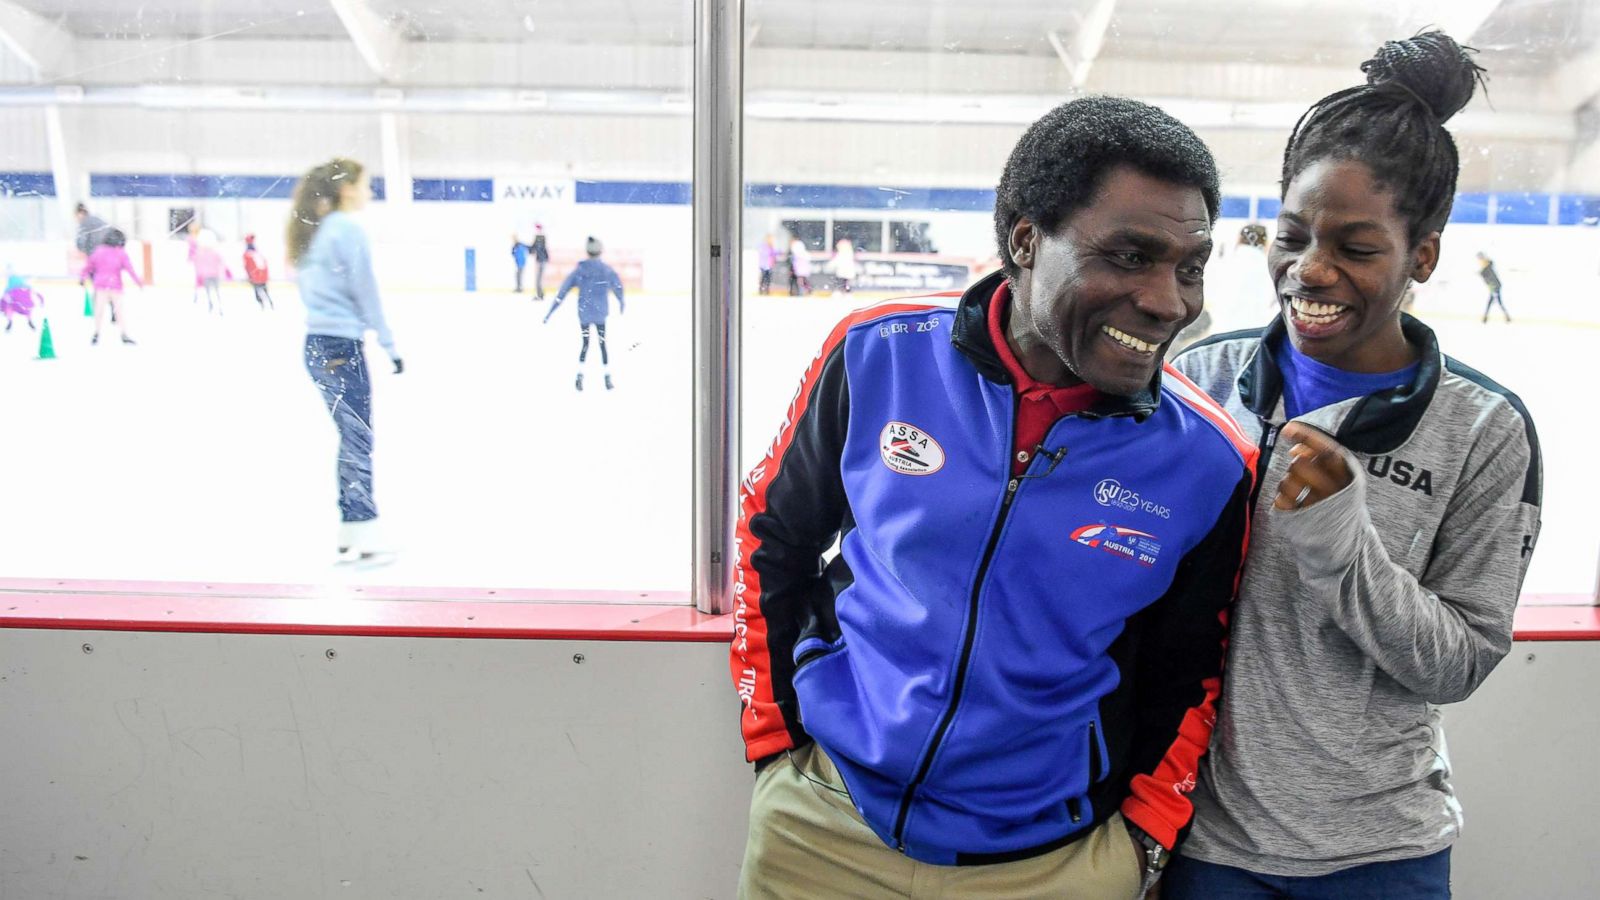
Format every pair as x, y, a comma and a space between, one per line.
1039, 404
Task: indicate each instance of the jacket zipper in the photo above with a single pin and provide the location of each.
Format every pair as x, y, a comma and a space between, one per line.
966, 652
1095, 762
1269, 440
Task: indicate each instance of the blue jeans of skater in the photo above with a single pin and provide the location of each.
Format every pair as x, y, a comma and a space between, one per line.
339, 369
1427, 878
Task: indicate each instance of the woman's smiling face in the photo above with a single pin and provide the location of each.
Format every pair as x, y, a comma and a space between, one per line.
1340, 264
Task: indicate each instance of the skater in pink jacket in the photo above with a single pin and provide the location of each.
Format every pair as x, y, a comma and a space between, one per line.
104, 268
209, 269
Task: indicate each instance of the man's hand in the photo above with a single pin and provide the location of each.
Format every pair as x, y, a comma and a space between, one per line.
1317, 469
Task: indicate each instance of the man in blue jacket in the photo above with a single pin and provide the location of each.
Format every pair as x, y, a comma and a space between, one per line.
596, 282
1001, 683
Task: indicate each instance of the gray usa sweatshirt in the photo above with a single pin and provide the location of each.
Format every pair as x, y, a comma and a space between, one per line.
1359, 615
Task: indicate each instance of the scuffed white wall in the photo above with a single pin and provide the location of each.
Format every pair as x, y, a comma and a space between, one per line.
172, 766
186, 766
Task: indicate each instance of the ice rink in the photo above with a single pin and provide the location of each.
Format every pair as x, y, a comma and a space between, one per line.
204, 453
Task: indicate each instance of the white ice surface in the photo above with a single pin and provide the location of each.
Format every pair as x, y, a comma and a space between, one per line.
205, 454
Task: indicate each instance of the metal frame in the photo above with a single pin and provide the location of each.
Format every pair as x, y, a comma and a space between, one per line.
718, 208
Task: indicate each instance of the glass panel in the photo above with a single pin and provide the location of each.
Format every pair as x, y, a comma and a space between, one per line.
907, 111
509, 149
863, 236
812, 233
912, 237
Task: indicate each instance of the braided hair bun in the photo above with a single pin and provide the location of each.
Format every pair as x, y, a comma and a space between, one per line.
1431, 67
1394, 124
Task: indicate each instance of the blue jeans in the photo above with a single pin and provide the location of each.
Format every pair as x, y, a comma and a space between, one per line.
340, 371
1427, 878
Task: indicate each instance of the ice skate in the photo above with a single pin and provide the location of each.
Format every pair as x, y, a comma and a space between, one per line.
609, 385
94, 340
580, 381
363, 542
127, 340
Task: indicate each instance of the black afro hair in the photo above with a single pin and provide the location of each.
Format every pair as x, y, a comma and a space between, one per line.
1062, 159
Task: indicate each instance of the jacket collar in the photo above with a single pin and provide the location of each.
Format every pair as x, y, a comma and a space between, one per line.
970, 335
1377, 423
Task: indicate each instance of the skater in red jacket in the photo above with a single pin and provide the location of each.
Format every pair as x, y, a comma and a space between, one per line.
255, 268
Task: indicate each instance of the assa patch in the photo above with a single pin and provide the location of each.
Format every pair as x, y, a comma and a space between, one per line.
1139, 546
909, 451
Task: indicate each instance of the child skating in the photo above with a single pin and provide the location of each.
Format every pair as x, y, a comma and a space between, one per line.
104, 269
19, 299
209, 269
255, 269
595, 282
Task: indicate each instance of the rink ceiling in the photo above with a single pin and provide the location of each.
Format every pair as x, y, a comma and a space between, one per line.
1211, 31
941, 56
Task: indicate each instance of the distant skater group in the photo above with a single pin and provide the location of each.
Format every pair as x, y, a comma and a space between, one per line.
538, 251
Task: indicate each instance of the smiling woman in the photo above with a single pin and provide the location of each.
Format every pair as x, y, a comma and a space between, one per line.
1341, 263
1400, 590
1369, 178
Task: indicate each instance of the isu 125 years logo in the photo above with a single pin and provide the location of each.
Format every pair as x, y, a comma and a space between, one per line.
909, 450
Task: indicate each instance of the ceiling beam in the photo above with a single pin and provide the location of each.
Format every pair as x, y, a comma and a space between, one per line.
379, 43
1079, 54
43, 45
1014, 109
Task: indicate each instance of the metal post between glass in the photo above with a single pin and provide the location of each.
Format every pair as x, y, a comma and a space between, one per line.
718, 206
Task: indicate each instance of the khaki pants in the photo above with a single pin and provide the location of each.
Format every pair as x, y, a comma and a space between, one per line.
808, 843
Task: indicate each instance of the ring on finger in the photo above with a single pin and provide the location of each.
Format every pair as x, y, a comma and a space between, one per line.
1300, 498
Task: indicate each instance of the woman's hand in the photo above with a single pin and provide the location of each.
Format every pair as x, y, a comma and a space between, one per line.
1317, 469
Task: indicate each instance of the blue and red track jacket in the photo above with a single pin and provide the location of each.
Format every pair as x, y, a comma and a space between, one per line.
995, 664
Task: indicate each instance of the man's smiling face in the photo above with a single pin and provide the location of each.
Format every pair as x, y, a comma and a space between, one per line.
1100, 299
